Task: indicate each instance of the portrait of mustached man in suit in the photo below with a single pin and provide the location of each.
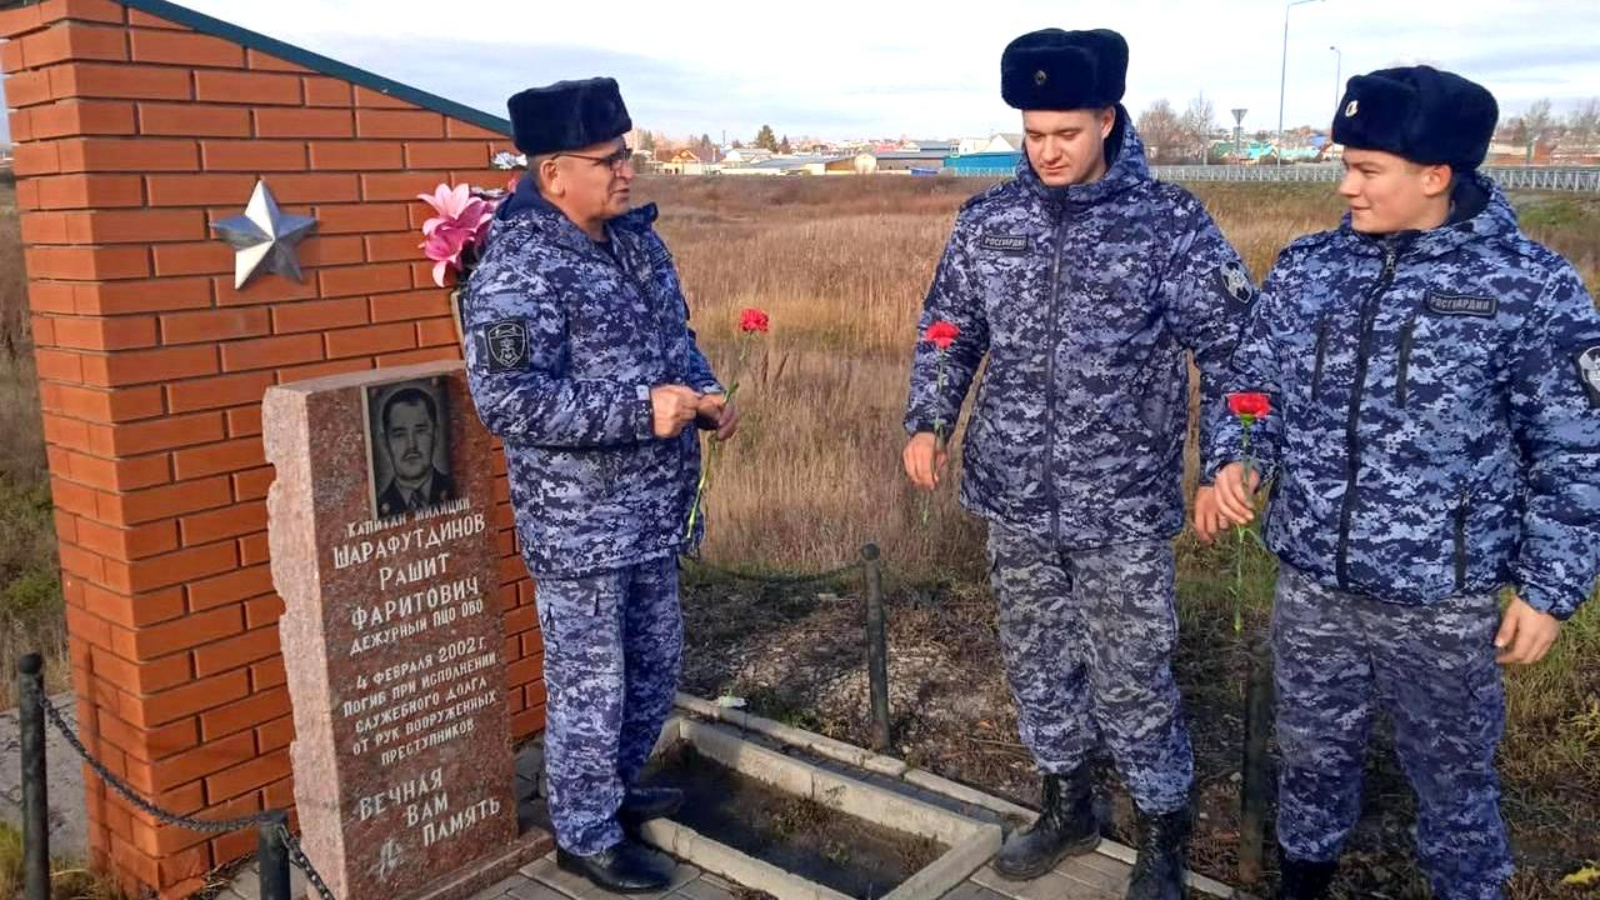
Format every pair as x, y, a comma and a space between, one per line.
411, 448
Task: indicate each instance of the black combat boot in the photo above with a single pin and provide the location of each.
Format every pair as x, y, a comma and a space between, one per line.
626, 868
641, 804
1163, 844
1066, 826
1303, 879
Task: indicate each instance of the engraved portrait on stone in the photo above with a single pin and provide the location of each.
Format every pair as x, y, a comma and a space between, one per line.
408, 445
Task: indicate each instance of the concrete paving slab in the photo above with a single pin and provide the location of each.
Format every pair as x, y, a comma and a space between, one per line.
706, 888
526, 888
1097, 872
546, 872
971, 890
1049, 886
69, 823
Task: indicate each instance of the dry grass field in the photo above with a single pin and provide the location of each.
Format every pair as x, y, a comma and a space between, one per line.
30, 592
841, 266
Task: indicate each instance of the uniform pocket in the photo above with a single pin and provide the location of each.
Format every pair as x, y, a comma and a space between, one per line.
1446, 364
1403, 371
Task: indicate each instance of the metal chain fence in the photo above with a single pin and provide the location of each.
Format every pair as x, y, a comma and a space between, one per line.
273, 818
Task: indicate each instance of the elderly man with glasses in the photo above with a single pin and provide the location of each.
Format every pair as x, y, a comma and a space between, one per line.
581, 360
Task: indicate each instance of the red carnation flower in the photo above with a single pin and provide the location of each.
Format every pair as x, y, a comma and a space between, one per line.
942, 334
1256, 406
753, 320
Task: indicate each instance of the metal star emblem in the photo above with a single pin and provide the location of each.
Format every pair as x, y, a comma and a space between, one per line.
264, 238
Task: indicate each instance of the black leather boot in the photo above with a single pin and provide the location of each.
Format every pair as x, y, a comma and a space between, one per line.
626, 868
1303, 879
641, 804
1066, 826
1163, 846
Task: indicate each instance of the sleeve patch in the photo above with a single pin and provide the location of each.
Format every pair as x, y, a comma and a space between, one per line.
505, 345
1234, 282
1588, 363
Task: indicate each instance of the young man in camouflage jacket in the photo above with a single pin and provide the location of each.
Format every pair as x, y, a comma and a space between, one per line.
1086, 283
1435, 437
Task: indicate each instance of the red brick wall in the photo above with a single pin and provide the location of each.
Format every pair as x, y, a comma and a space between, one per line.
132, 135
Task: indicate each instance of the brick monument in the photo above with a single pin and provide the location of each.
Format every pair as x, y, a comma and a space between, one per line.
138, 124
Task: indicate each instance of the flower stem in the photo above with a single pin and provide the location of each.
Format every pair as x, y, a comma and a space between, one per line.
938, 439
714, 446
1239, 531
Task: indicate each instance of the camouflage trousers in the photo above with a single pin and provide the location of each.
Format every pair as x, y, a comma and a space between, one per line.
613, 645
1087, 636
1340, 659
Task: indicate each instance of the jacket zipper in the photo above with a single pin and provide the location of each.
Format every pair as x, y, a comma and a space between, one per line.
1461, 542
1321, 356
1401, 380
619, 259
1050, 380
1369, 313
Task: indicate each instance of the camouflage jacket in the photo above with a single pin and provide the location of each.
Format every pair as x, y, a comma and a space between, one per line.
1085, 300
564, 339
1437, 423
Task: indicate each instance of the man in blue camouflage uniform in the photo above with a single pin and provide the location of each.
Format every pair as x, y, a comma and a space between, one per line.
581, 360
1436, 436
1086, 283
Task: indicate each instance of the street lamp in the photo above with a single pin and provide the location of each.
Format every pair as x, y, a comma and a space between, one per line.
1283, 74
1338, 75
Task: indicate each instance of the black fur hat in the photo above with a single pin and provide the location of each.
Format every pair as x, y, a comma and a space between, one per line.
1055, 69
568, 115
1420, 113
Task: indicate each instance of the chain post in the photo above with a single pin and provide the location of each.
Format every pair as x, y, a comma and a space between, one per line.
273, 855
877, 648
35, 781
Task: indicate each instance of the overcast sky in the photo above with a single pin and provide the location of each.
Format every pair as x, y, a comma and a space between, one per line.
856, 69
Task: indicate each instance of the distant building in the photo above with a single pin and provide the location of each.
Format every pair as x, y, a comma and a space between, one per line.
851, 164
983, 164
684, 162
902, 161
929, 146
835, 164
781, 165
1008, 142
1509, 154
744, 156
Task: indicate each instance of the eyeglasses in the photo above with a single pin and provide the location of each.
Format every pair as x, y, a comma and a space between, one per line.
614, 161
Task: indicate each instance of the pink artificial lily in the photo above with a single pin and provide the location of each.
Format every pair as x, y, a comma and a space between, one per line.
461, 224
